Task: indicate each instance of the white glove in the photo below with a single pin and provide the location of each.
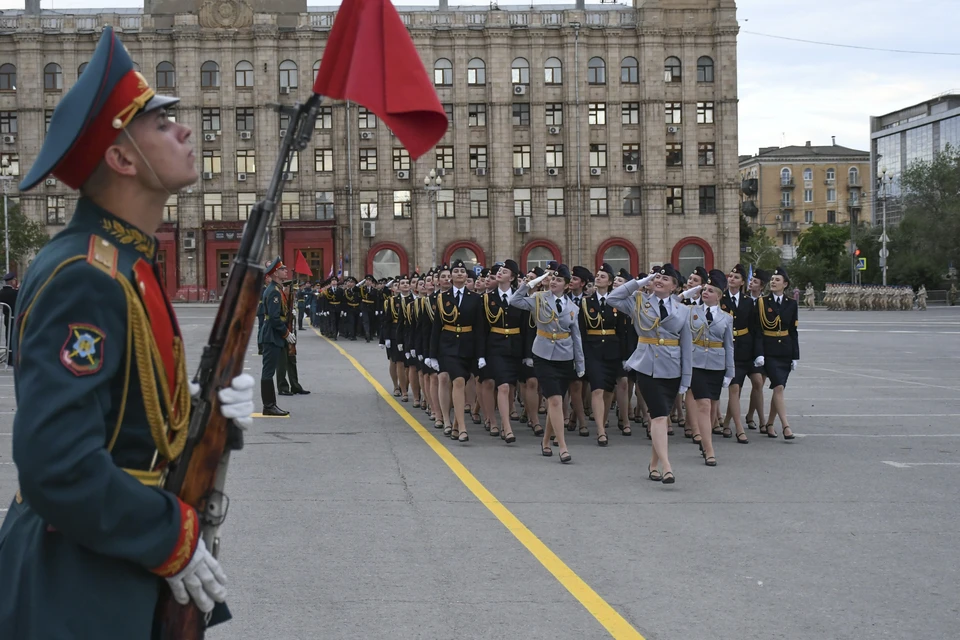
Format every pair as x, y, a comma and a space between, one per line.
758, 362
436, 365
388, 344
528, 362
399, 347
383, 346
292, 338
580, 374
794, 365
413, 353
533, 283
202, 580
420, 357
623, 364
481, 362
236, 401
692, 292
726, 382
646, 280
683, 390
406, 354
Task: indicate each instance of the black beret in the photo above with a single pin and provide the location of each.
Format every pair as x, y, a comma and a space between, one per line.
563, 271
458, 264
583, 273
717, 278
552, 265
607, 269
700, 271
625, 274
668, 270
761, 275
780, 271
537, 271
513, 266
738, 268
485, 272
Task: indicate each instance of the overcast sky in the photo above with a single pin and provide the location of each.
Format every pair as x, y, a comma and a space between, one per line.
791, 92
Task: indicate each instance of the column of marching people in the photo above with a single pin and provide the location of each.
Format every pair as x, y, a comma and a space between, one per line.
565, 350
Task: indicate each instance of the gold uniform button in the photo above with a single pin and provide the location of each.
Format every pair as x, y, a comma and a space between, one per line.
660, 342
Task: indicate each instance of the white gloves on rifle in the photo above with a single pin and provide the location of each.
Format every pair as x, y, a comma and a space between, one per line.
726, 382
481, 362
292, 338
647, 280
202, 580
528, 362
691, 293
794, 364
236, 401
758, 362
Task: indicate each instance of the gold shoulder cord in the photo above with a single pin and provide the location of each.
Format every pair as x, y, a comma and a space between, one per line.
539, 311
766, 323
697, 333
428, 307
492, 319
448, 318
592, 323
638, 301
176, 402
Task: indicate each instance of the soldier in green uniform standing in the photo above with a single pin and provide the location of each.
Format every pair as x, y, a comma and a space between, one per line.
90, 537
275, 333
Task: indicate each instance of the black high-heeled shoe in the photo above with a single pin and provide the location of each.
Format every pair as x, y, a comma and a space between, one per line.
565, 457
546, 452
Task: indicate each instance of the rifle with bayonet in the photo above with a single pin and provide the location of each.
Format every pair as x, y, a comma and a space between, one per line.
198, 475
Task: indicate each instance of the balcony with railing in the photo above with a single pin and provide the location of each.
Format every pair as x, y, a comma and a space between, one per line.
787, 183
788, 225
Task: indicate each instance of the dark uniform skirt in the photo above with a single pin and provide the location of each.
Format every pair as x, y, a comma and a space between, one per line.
777, 369
395, 354
603, 374
457, 367
554, 375
706, 384
658, 393
526, 372
503, 370
740, 372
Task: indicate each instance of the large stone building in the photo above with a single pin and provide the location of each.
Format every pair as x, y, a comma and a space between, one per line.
580, 133
903, 137
787, 189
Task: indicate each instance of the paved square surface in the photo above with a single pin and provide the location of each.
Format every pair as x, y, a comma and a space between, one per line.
344, 523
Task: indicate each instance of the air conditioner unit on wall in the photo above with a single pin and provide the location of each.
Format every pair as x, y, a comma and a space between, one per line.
523, 224
518, 171
369, 228
246, 135
519, 90
403, 175
9, 139
553, 171
630, 168
481, 171
209, 137
554, 131
288, 176
595, 171
189, 244
241, 177
208, 175
366, 135
284, 90
50, 182
673, 129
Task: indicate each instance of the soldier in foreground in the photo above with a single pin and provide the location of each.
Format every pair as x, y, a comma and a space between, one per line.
275, 333
90, 539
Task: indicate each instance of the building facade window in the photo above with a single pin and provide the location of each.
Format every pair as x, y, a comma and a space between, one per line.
445, 203
323, 160
212, 206
246, 161
555, 202
675, 200
554, 156
402, 207
53, 77
553, 71
368, 205
705, 69
630, 113
476, 72
831, 216
539, 257
617, 257
521, 202
674, 112
831, 195
8, 77
56, 210
10, 163
629, 71
448, 111
708, 200
476, 115
324, 205
808, 217
209, 75
521, 156
808, 195
598, 201
170, 209
520, 71
631, 201
245, 119
166, 76
785, 176
324, 118
671, 69
290, 205
401, 159
366, 119
705, 113
521, 114
705, 154
443, 73
478, 157
210, 119
598, 155
631, 154
597, 113
553, 114
368, 159
444, 157
691, 257
831, 175
288, 75
245, 204
478, 203
386, 264
596, 71
808, 175
674, 154
243, 75
212, 162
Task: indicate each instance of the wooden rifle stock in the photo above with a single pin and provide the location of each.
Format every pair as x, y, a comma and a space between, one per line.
197, 475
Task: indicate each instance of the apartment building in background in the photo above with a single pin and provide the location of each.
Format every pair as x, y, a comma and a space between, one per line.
787, 189
581, 133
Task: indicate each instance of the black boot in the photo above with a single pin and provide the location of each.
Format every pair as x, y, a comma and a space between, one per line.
269, 397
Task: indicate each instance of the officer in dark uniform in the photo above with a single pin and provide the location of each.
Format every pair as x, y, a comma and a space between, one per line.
90, 537
778, 314
747, 344
368, 307
274, 334
8, 297
505, 328
351, 308
288, 378
303, 302
601, 349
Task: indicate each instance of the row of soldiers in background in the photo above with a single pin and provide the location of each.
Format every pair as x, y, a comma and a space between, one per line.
846, 297
342, 307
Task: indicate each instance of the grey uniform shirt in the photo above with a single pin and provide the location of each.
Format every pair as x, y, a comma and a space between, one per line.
543, 309
705, 354
655, 360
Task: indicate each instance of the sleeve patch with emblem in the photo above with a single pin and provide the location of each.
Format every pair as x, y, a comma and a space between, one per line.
82, 352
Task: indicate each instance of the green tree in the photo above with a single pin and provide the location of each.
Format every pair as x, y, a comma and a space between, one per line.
26, 236
759, 250
927, 240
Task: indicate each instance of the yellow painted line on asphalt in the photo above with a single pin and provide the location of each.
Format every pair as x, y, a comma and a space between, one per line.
606, 615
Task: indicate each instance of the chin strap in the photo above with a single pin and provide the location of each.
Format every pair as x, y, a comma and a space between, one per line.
147, 162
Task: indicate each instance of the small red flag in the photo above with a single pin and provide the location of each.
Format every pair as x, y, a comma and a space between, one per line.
371, 60
301, 266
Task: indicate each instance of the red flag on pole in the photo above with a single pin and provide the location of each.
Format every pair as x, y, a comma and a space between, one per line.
301, 266
371, 60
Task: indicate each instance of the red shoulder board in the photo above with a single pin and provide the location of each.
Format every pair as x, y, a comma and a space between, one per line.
161, 316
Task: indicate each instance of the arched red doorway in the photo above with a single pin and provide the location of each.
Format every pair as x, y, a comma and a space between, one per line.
538, 252
386, 260
689, 252
619, 252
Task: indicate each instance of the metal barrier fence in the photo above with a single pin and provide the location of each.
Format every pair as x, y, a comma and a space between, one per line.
6, 314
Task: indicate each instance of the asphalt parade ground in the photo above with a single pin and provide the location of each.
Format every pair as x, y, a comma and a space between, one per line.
355, 519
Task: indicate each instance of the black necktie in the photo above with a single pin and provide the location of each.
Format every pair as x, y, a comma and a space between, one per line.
663, 311
777, 300
458, 299
602, 301
559, 306
709, 316
504, 299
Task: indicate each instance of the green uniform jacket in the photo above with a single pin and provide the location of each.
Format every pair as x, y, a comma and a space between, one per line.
274, 328
85, 542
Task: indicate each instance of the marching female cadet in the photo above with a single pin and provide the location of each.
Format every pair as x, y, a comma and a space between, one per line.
745, 336
557, 350
757, 373
662, 361
711, 329
388, 339
781, 346
598, 329
505, 343
428, 311
528, 376
405, 332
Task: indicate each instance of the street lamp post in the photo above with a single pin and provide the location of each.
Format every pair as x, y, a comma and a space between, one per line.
6, 177
432, 184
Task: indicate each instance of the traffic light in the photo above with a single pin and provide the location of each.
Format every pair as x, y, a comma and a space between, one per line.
856, 254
